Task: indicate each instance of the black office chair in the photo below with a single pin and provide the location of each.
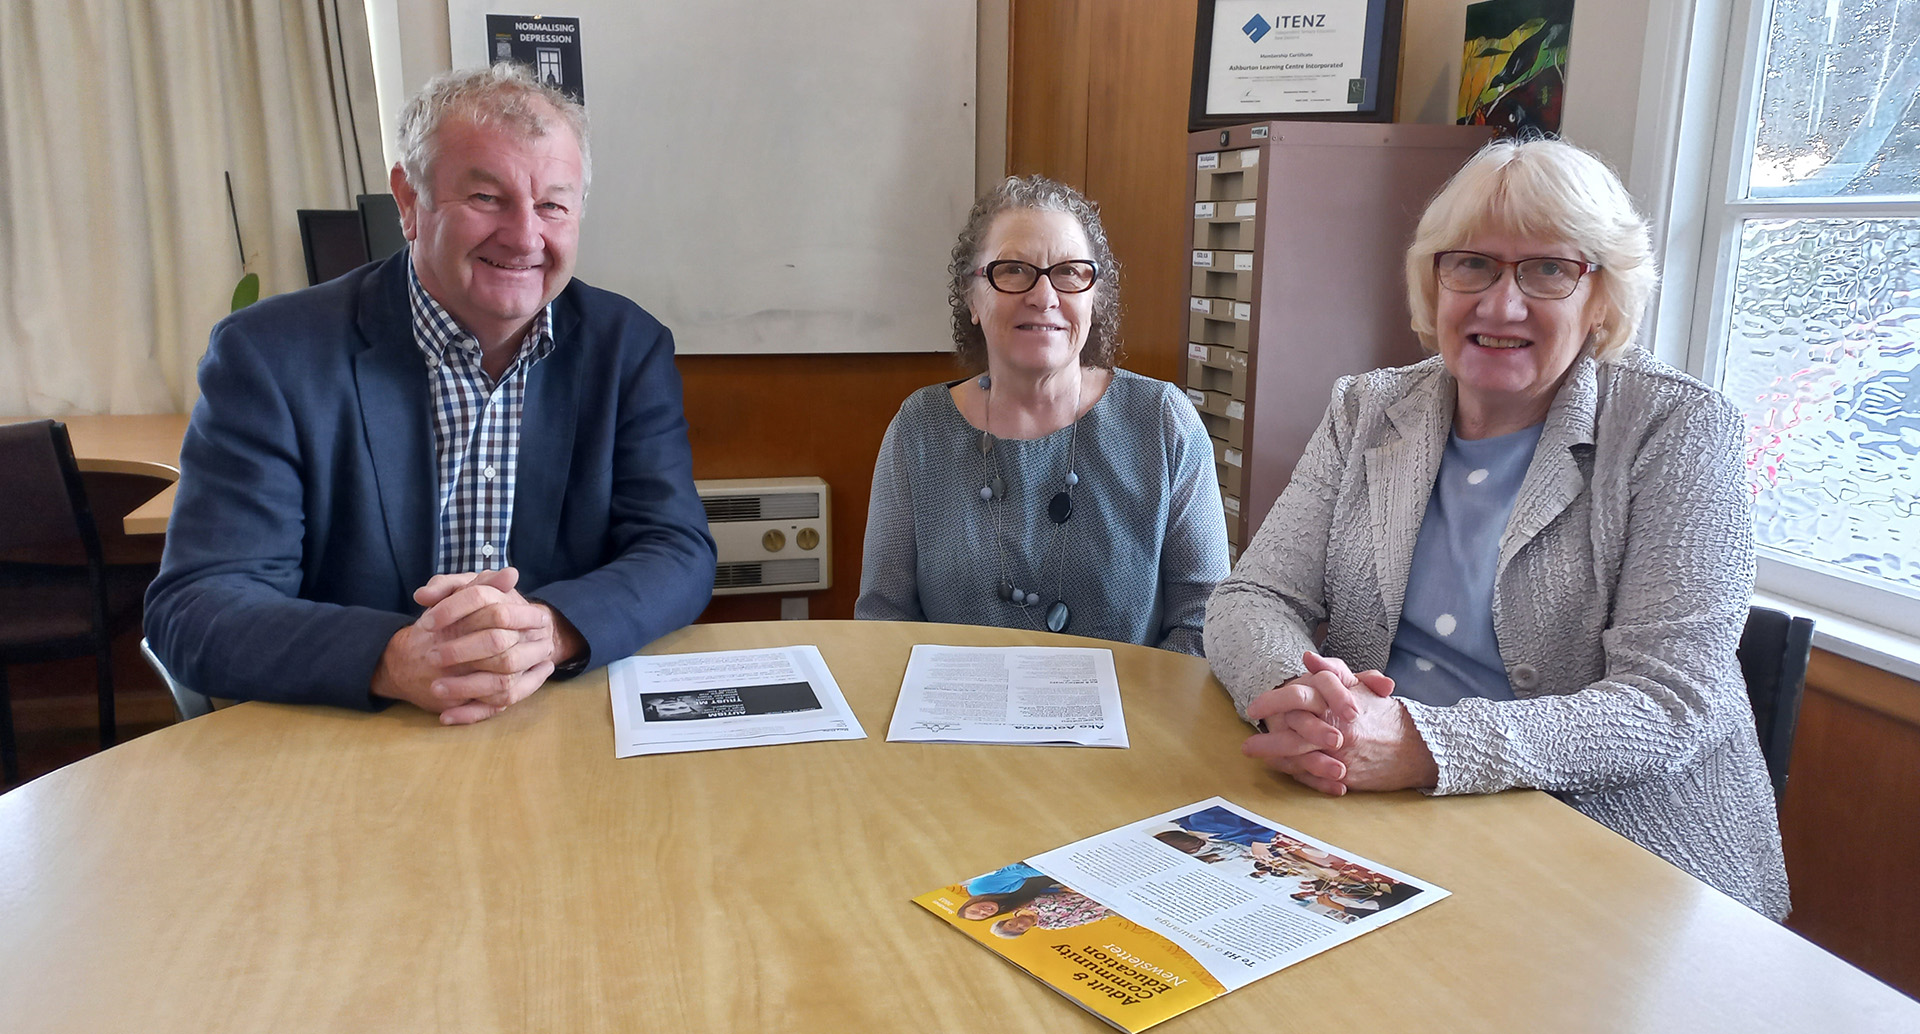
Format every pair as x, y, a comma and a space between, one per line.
1773, 653
58, 596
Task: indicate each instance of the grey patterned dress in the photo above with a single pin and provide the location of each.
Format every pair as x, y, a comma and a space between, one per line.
1135, 563
1622, 585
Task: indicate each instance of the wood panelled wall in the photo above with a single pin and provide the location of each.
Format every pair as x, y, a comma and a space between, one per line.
801, 415
1098, 99
1850, 819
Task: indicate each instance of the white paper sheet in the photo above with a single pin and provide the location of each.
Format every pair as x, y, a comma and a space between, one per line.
733, 698
1060, 696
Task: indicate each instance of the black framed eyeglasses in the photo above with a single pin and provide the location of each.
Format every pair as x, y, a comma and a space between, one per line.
1012, 276
1545, 277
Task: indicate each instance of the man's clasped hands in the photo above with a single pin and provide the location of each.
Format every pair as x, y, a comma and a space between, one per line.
479, 648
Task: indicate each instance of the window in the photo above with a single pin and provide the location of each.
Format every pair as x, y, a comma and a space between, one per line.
1808, 296
549, 65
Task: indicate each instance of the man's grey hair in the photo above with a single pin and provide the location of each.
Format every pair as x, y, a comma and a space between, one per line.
505, 94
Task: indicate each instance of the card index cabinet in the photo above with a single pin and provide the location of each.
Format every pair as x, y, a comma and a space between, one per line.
1298, 254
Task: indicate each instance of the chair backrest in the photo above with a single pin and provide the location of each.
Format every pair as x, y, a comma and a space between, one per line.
44, 516
186, 703
112, 494
1774, 650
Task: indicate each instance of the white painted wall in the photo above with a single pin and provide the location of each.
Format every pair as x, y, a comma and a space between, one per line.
383, 40
410, 46
425, 50
1609, 39
990, 94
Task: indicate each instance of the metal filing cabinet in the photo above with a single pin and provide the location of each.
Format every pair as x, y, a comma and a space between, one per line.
1297, 249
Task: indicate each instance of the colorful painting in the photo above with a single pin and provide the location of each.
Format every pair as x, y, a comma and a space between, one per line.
1513, 73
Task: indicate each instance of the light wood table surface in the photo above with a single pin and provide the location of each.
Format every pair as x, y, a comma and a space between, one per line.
131, 445
293, 869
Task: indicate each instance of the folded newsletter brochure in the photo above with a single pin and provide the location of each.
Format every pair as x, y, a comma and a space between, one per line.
1149, 920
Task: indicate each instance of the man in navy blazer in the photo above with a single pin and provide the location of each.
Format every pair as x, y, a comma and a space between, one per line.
447, 476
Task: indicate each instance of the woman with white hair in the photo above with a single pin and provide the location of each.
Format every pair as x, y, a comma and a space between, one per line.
1534, 548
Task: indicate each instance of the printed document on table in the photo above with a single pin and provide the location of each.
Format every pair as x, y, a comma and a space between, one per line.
733, 698
1144, 922
1063, 696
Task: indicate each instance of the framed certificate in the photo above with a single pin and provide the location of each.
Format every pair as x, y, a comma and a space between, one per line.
1332, 60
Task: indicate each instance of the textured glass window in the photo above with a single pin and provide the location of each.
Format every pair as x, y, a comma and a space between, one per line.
1837, 115
1823, 358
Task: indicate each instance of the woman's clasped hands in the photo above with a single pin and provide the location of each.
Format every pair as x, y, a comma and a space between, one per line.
1334, 731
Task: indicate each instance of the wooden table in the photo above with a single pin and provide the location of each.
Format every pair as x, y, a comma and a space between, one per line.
289, 869
131, 445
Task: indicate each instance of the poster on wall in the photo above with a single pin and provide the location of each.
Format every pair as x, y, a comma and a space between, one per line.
1513, 72
1265, 59
549, 46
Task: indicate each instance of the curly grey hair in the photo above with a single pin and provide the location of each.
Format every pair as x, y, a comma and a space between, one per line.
1102, 349
505, 94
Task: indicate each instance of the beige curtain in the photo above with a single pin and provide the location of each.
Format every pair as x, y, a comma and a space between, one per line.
120, 124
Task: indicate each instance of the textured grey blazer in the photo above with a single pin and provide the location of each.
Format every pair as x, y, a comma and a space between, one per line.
1622, 585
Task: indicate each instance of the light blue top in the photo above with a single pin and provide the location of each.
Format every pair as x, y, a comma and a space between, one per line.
1445, 649
1004, 880
1143, 550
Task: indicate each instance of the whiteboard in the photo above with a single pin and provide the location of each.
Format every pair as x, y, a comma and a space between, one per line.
773, 178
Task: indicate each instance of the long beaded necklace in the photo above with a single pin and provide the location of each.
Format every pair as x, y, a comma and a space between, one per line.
1059, 510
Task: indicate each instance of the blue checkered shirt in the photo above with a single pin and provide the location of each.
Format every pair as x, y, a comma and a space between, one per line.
476, 432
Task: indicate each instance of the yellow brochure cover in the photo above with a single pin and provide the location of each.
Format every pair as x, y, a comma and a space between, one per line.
1113, 967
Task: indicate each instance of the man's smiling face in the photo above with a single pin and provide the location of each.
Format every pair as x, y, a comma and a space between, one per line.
494, 240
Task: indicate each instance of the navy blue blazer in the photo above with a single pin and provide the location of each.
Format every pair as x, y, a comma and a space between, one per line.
306, 512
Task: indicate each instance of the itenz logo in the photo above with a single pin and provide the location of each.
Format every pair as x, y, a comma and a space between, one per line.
1255, 28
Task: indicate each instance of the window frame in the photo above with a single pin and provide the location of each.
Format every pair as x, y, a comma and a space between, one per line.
1702, 208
